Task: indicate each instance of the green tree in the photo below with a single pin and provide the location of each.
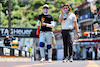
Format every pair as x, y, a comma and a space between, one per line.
2, 18
33, 23
17, 14
36, 3
98, 5
14, 5
59, 3
26, 23
21, 4
29, 17
1, 8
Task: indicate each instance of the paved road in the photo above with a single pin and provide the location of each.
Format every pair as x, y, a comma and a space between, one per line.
84, 63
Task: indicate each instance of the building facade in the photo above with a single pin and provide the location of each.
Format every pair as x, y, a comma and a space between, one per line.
86, 14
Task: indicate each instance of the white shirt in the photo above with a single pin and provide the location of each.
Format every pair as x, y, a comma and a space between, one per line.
68, 23
25, 48
90, 50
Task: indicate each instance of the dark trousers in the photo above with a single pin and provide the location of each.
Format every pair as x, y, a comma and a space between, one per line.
67, 43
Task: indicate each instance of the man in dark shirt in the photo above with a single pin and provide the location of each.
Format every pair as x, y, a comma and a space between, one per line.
7, 41
47, 22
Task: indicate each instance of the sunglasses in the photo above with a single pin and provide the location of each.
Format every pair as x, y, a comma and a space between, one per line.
65, 18
45, 8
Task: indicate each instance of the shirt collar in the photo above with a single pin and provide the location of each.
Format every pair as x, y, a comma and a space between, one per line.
68, 14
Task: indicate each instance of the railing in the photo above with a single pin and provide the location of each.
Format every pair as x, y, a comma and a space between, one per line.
8, 51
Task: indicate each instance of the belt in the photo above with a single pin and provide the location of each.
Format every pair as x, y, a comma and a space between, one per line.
67, 30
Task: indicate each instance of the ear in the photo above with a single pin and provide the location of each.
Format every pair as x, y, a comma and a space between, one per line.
70, 8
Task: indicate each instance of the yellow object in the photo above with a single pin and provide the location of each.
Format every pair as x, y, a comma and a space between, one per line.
95, 30
75, 40
79, 40
14, 44
30, 49
86, 33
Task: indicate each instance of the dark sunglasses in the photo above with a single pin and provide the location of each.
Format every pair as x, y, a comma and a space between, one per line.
45, 8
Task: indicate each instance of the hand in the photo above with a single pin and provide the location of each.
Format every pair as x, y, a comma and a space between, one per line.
43, 24
38, 31
9, 41
62, 10
78, 34
53, 43
5, 41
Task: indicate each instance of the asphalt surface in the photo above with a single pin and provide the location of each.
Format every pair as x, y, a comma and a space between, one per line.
75, 63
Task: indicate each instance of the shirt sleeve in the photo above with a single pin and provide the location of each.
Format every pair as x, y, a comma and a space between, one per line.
52, 19
59, 15
50, 25
74, 18
38, 23
39, 18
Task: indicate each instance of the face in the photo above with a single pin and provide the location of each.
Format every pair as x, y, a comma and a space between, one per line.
45, 9
66, 9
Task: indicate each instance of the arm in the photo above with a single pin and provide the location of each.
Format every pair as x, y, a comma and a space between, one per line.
76, 25
50, 25
77, 28
38, 27
61, 17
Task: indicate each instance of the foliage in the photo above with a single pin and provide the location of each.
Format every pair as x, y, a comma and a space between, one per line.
15, 21
26, 24
33, 23
16, 7
36, 3
13, 5
1, 8
21, 4
2, 17
27, 15
5, 23
18, 14
98, 5
59, 3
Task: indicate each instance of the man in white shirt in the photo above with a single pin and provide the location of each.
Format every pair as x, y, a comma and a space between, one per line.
67, 19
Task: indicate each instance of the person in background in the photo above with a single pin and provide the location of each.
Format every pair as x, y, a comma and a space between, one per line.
67, 19
25, 48
45, 34
90, 52
7, 41
53, 39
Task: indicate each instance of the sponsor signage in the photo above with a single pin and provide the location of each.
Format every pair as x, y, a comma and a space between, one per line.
23, 53
18, 32
6, 51
16, 52
27, 54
